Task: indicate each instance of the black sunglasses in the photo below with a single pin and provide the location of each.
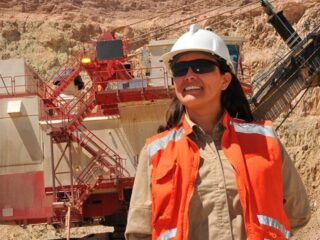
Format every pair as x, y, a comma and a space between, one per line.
198, 66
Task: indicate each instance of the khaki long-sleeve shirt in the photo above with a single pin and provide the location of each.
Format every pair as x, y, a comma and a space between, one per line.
215, 209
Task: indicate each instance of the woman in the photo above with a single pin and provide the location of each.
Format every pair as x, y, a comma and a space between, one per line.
213, 173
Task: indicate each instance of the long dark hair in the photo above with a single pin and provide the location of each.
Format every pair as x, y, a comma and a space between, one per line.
233, 100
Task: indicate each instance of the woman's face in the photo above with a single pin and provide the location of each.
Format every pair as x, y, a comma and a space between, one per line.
200, 90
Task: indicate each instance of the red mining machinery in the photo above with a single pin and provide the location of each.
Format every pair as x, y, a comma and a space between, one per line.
107, 70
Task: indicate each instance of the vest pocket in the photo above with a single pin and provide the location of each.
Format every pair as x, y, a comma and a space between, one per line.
165, 171
164, 189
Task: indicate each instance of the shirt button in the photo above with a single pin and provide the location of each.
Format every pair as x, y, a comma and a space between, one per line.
221, 185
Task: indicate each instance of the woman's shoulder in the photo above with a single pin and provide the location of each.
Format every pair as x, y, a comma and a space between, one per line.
264, 122
170, 133
158, 136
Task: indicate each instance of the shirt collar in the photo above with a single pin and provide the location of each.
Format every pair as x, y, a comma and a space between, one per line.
191, 126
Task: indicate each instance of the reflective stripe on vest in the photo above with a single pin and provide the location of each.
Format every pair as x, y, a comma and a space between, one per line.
254, 128
271, 222
168, 234
161, 143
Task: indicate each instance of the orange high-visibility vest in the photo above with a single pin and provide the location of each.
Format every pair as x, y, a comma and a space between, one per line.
254, 152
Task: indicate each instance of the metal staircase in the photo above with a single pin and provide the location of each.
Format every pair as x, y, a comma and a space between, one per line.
76, 112
104, 165
102, 152
66, 74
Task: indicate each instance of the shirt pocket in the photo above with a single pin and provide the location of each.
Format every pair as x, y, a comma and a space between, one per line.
164, 189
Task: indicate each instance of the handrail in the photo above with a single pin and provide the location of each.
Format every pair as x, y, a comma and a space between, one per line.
138, 74
71, 62
110, 153
4, 84
11, 90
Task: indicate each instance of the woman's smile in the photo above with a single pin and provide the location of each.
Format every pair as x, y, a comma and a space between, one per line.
195, 90
191, 88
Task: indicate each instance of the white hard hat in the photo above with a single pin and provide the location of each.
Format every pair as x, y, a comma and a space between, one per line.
198, 39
